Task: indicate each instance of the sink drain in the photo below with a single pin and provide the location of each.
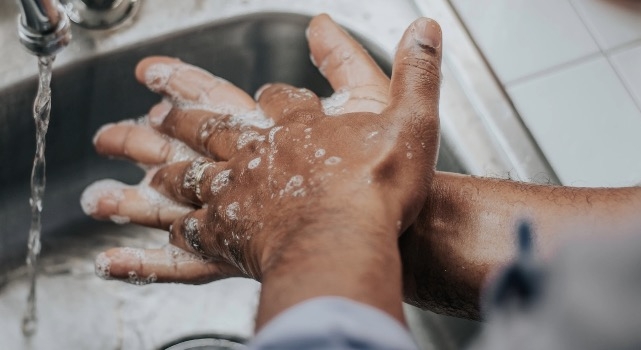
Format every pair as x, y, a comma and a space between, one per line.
207, 343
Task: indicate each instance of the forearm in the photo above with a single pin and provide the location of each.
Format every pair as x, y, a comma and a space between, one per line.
467, 230
353, 261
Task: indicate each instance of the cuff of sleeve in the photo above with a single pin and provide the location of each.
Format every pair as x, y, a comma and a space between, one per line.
336, 323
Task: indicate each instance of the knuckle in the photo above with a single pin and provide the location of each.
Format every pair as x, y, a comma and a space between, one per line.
211, 130
159, 178
190, 230
220, 181
250, 139
429, 66
165, 151
168, 124
272, 93
338, 57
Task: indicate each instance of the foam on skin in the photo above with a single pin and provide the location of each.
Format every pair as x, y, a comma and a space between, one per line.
102, 266
248, 136
140, 281
93, 193
220, 181
254, 163
332, 160
334, 104
119, 219
192, 234
157, 76
232, 211
194, 175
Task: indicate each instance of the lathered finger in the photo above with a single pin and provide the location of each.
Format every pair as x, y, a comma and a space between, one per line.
280, 101
350, 70
195, 182
140, 143
188, 84
168, 264
188, 231
217, 135
121, 203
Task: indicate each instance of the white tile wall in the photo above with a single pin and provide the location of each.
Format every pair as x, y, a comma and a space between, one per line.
590, 124
628, 64
523, 37
612, 22
573, 70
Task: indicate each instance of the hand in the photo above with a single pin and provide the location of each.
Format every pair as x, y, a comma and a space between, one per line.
267, 178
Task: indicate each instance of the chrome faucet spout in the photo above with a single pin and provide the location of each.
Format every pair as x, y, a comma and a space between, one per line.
43, 27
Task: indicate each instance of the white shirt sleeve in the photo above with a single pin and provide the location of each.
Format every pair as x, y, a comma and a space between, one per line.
333, 323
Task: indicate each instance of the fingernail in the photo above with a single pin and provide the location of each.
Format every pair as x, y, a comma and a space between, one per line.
107, 192
101, 130
157, 76
158, 112
260, 91
427, 32
313, 60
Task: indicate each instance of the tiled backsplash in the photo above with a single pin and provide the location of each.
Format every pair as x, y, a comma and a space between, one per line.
573, 70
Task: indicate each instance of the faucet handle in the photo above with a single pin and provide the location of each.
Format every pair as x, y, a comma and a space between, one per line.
100, 14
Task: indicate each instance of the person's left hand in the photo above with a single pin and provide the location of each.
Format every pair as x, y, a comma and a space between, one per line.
370, 148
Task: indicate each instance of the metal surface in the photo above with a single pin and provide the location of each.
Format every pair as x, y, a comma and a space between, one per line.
93, 84
43, 27
101, 14
486, 107
41, 16
207, 343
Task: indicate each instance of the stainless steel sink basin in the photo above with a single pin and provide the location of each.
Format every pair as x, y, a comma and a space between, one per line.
93, 84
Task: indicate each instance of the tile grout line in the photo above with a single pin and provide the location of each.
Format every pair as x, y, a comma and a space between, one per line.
626, 84
623, 81
564, 65
585, 24
624, 47
554, 69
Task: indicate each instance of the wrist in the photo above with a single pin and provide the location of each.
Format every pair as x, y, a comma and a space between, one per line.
337, 238
349, 261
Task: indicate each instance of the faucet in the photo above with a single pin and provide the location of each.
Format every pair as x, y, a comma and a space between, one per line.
44, 24
101, 14
43, 27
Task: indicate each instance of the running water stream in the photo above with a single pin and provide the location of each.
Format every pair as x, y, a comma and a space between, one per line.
41, 110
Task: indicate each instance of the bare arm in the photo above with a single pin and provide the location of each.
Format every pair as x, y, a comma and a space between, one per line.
466, 231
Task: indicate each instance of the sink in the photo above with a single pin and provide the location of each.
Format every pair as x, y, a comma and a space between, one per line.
93, 84
248, 51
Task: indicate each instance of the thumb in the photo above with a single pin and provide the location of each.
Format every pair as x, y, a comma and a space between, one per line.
416, 75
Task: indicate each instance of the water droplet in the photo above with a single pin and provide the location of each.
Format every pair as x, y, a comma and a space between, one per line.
332, 160
333, 105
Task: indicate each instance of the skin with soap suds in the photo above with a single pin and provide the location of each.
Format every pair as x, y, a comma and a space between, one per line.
320, 171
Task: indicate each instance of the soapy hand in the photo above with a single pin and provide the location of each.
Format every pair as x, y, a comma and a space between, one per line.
236, 181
